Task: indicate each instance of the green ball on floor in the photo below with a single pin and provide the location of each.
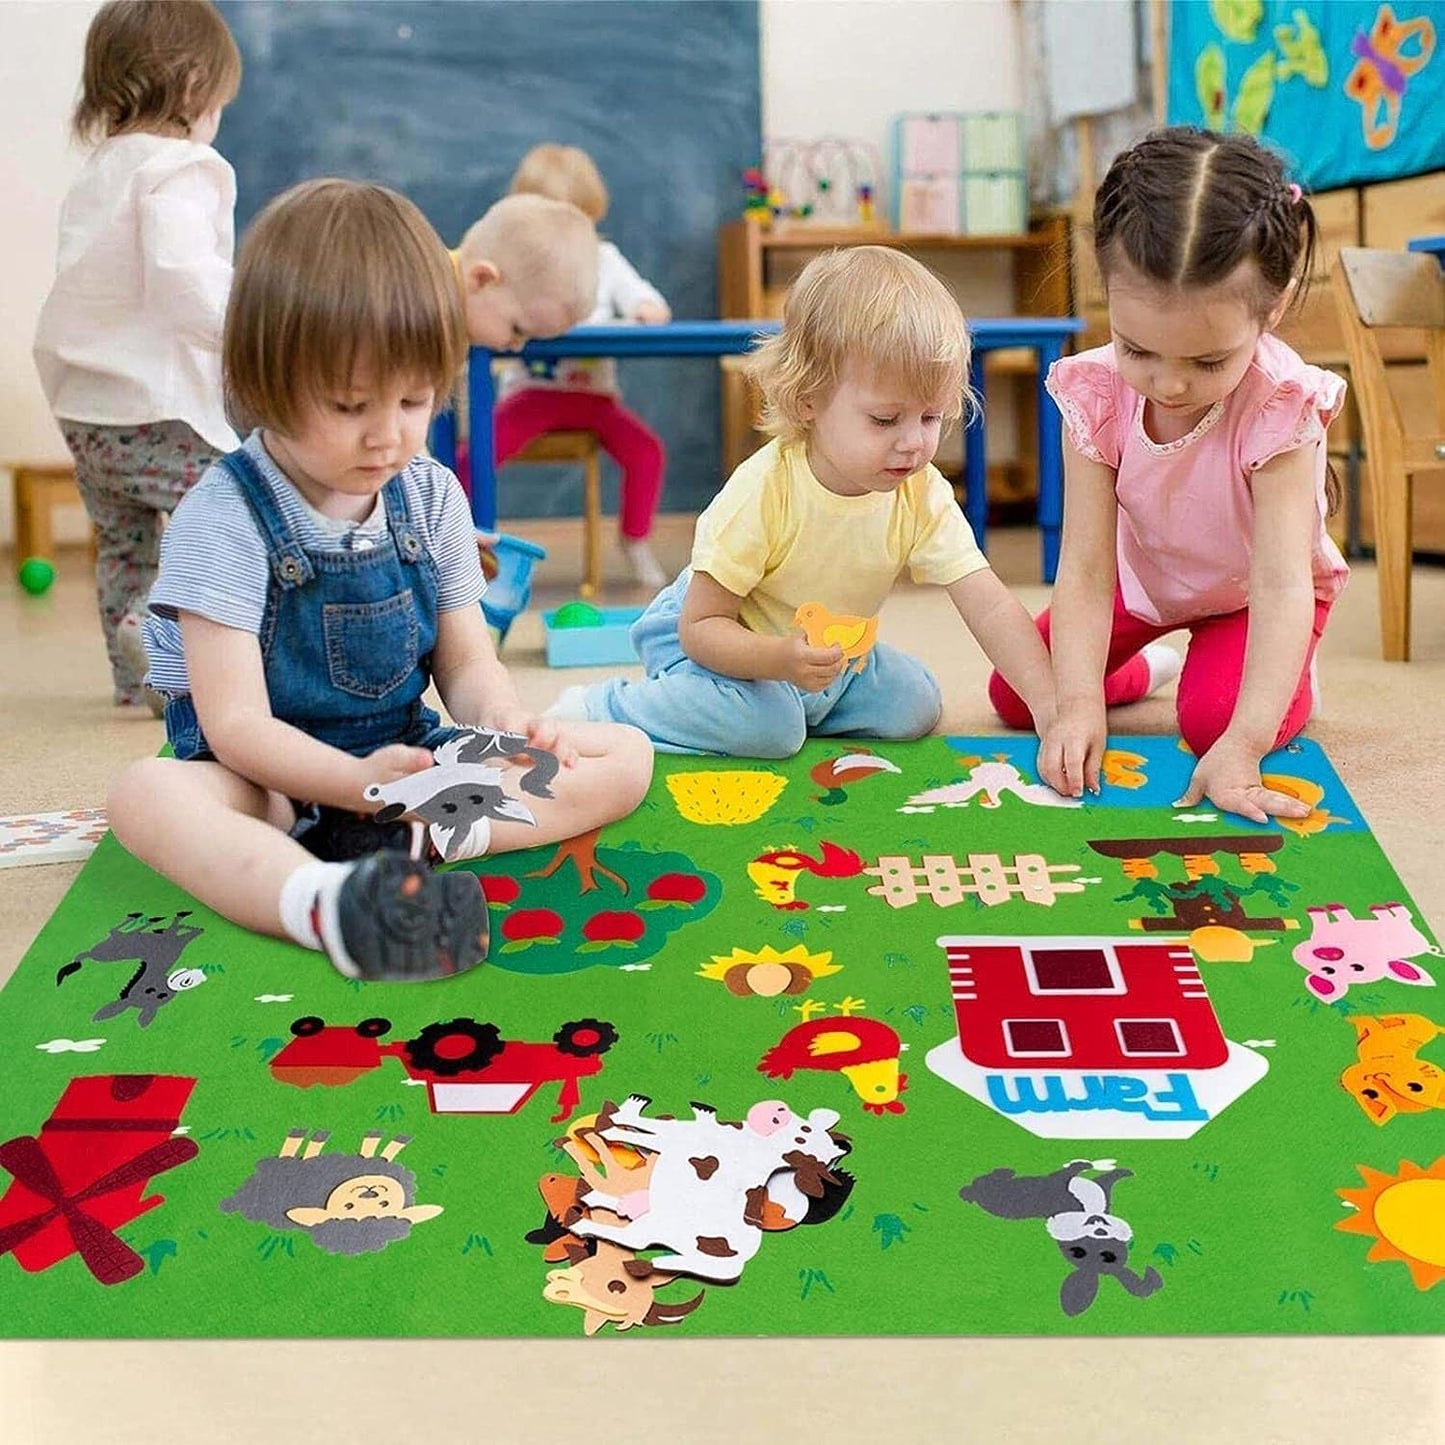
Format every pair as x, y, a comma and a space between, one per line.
577, 614
36, 575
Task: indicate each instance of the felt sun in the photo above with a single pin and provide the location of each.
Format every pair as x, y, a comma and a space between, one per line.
1405, 1213
766, 973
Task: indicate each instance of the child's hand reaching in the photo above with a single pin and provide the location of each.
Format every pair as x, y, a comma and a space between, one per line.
387, 765
1072, 750
1228, 775
808, 668
652, 313
543, 732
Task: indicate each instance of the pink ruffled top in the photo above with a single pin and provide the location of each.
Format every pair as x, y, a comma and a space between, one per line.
1186, 508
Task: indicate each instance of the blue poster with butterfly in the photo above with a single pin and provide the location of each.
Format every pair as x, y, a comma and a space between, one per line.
1351, 90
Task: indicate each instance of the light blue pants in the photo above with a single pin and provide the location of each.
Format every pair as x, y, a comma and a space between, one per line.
685, 708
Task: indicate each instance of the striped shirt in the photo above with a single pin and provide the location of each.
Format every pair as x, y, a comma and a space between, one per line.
214, 559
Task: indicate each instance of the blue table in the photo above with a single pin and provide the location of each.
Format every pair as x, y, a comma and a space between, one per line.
1435, 245
1045, 335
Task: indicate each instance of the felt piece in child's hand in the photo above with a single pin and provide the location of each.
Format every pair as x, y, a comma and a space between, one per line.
459, 797
826, 628
476, 745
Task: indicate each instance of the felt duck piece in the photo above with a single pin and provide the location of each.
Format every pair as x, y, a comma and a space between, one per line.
823, 627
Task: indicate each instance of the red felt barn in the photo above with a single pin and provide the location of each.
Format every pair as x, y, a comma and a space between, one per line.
1116, 1005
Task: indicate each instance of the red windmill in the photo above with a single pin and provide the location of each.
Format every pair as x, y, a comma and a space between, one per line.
85, 1174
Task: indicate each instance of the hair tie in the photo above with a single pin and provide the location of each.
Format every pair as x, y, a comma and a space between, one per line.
1295, 194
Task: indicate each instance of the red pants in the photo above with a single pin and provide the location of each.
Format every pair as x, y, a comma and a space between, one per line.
1208, 686
536, 410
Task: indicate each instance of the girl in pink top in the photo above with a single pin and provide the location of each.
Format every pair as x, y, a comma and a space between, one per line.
1196, 478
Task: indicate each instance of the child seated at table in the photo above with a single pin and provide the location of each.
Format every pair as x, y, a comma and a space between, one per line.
527, 268
577, 394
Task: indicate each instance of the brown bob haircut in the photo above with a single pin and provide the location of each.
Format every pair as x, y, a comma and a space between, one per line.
335, 275
154, 63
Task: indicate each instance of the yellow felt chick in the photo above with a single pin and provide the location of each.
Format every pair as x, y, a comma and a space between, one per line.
824, 628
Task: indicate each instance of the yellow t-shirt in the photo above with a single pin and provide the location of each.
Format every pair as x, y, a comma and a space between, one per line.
778, 538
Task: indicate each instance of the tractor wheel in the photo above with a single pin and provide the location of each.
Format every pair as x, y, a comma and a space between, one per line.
459, 1047
373, 1028
303, 1028
584, 1037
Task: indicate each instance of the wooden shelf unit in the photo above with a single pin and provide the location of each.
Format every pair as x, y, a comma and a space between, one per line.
755, 265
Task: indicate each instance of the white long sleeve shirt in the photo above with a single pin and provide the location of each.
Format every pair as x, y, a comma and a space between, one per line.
620, 291
131, 330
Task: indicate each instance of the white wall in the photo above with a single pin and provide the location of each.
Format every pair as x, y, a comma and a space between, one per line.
845, 67
41, 42
830, 67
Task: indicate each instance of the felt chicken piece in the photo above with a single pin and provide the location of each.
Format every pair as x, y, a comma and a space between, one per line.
864, 1051
823, 628
775, 874
833, 775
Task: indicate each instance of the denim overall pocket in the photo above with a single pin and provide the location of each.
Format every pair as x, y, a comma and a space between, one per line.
371, 647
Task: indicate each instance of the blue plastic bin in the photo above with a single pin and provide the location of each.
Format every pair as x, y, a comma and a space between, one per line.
605, 646
509, 592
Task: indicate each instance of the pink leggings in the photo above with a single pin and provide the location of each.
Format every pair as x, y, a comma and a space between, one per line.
536, 410
1208, 686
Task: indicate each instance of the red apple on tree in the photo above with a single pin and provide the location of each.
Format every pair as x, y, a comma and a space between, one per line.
501, 891
528, 926
611, 930
675, 890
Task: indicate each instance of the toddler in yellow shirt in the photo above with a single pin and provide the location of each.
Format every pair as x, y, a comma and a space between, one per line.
870, 364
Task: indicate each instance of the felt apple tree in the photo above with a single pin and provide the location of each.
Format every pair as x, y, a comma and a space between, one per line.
589, 906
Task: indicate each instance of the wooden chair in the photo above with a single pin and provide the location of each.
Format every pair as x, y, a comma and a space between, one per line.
577, 446
1376, 290
39, 488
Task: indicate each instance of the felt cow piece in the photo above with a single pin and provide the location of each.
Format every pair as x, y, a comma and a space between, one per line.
460, 796
710, 1181
84, 1175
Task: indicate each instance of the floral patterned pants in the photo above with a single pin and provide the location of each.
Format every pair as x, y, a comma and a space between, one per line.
130, 478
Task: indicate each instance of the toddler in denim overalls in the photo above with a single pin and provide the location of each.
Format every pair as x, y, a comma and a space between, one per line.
313, 585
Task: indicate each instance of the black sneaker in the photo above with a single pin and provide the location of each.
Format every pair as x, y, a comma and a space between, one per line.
336, 835
394, 919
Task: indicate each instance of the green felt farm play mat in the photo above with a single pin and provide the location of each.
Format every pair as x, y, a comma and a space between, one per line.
886, 1039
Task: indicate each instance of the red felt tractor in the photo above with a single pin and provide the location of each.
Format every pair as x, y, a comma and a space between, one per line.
467, 1066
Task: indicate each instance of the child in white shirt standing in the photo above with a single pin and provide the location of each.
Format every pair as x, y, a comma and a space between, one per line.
583, 395
128, 346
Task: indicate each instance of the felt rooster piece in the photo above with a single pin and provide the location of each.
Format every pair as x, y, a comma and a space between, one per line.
823, 628
834, 775
864, 1051
775, 874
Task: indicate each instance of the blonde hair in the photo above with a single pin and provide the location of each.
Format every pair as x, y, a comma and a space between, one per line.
542, 247
565, 173
331, 274
154, 63
868, 307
